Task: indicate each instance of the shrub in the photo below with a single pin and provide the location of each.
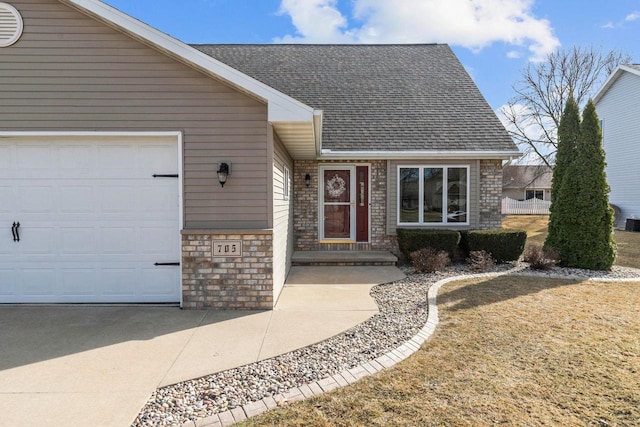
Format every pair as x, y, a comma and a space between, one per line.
540, 258
503, 245
428, 260
410, 240
480, 261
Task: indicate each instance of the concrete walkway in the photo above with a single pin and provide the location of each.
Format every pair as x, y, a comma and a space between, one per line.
81, 365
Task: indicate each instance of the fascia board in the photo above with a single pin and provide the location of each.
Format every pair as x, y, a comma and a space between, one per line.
436, 154
281, 107
612, 79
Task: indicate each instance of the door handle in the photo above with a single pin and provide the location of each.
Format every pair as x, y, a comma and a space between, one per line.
15, 232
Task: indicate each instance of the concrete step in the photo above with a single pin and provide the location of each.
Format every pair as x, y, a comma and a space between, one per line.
324, 258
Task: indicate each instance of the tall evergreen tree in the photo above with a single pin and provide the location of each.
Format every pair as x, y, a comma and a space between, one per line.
587, 226
568, 133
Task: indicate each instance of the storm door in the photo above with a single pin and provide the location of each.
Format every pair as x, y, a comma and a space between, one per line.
337, 202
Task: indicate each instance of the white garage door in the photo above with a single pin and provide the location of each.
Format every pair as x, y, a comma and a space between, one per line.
93, 220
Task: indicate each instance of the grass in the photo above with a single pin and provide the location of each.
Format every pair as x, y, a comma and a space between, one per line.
510, 351
628, 254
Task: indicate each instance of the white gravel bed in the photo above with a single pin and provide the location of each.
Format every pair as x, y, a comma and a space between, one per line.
403, 312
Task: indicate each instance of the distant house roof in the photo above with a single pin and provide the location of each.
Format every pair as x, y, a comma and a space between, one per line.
527, 176
634, 69
378, 97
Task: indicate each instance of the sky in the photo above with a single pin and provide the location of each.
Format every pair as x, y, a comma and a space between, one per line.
494, 39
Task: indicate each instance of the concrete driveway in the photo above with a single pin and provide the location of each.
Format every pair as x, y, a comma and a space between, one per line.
98, 365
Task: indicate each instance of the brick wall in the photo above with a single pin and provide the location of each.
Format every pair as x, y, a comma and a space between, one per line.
305, 210
490, 193
244, 282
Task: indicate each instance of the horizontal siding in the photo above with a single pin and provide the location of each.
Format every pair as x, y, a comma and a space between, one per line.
392, 191
619, 111
70, 72
282, 217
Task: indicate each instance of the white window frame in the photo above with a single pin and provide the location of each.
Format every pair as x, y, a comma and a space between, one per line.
445, 176
534, 190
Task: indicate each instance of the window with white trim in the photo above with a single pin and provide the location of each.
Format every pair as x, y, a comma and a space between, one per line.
286, 183
432, 195
534, 194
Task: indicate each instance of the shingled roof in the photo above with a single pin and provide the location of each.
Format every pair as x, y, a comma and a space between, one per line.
378, 97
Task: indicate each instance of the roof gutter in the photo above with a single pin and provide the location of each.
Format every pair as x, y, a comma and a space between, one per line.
327, 154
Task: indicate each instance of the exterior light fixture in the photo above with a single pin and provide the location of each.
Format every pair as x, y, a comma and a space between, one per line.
223, 173
307, 180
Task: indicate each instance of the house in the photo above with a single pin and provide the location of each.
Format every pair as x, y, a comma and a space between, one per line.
618, 107
136, 168
525, 182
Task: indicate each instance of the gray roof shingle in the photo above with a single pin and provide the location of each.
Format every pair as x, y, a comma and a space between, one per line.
377, 97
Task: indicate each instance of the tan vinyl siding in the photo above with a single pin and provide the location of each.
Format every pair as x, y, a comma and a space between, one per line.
392, 191
282, 216
70, 72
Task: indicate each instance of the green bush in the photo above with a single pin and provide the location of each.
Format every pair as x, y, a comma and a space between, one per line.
410, 240
503, 245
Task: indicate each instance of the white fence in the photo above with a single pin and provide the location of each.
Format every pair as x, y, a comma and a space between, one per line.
525, 207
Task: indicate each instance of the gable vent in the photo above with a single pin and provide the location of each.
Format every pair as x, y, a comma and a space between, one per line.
10, 25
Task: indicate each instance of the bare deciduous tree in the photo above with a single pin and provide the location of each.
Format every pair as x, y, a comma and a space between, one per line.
532, 116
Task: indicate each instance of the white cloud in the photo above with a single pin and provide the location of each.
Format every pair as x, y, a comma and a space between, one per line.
514, 54
474, 24
608, 26
632, 16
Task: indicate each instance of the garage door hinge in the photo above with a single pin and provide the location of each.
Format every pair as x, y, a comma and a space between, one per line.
166, 263
165, 175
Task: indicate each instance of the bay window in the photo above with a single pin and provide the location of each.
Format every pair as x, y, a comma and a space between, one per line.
431, 195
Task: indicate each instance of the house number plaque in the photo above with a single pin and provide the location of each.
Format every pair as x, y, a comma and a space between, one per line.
222, 248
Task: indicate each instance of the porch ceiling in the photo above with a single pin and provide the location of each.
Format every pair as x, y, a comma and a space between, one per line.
299, 139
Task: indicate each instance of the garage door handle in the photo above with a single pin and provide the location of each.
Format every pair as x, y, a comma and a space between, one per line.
15, 231
166, 263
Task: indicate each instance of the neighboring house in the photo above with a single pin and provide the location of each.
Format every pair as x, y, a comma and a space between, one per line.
618, 107
115, 138
525, 182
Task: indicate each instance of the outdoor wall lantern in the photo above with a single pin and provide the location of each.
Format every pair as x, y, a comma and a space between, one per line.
307, 180
223, 173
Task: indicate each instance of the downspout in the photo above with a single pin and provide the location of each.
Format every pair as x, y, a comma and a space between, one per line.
317, 131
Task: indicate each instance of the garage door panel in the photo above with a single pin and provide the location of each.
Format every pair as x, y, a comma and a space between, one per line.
7, 161
39, 282
117, 199
121, 282
34, 160
93, 220
157, 200
6, 194
117, 240
159, 281
76, 161
77, 240
8, 282
34, 198
36, 239
116, 160
76, 199
78, 281
159, 159
156, 240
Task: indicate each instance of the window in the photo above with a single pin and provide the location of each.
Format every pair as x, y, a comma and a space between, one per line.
286, 183
430, 195
534, 194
